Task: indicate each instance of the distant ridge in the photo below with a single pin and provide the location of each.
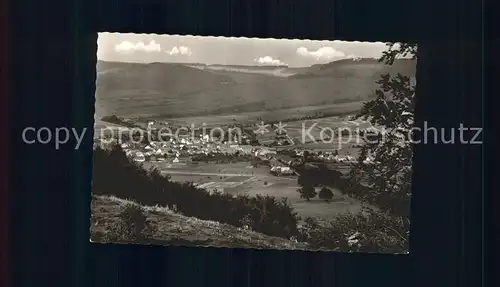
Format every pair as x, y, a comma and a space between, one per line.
179, 89
249, 66
355, 59
368, 67
195, 64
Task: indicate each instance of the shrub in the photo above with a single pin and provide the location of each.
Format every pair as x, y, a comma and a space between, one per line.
132, 226
326, 194
372, 231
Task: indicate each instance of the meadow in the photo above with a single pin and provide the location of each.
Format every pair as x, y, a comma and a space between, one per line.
242, 179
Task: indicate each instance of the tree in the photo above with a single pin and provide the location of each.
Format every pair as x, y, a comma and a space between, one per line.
305, 156
397, 50
111, 119
135, 225
388, 176
307, 192
326, 194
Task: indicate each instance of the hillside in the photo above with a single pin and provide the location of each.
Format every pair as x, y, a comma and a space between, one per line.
177, 90
362, 68
170, 228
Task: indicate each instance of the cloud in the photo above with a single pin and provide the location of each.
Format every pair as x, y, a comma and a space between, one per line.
182, 50
269, 61
323, 53
396, 46
127, 46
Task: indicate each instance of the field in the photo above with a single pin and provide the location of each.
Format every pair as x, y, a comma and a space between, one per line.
254, 118
240, 179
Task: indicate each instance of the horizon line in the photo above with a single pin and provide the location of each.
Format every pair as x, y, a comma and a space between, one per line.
240, 65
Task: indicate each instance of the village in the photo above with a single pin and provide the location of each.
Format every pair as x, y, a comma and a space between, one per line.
188, 150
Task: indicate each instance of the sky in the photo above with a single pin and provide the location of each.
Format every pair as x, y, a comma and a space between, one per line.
147, 48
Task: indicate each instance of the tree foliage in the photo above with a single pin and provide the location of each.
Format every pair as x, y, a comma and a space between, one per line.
398, 50
373, 232
132, 227
388, 174
307, 192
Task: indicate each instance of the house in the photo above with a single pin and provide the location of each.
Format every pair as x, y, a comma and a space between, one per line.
282, 170
350, 158
264, 152
368, 160
139, 157
286, 170
284, 159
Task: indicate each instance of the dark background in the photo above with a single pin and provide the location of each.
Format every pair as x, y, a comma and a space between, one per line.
52, 68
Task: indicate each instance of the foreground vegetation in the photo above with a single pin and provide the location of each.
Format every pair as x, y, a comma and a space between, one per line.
123, 221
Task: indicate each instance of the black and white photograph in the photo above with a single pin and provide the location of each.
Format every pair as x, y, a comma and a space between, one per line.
285, 144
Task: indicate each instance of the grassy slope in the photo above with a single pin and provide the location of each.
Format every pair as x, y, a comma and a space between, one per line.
171, 228
127, 89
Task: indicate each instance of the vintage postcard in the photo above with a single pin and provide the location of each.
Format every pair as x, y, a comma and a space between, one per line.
253, 143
